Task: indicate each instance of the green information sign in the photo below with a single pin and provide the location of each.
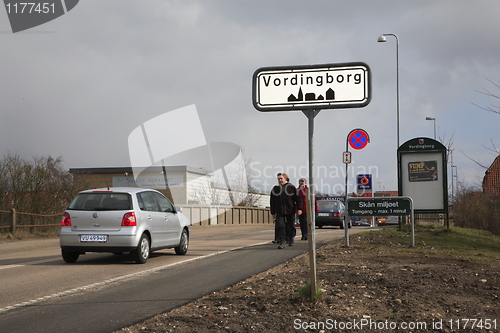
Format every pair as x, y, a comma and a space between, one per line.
387, 206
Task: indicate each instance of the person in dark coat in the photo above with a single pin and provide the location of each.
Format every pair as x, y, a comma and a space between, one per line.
284, 202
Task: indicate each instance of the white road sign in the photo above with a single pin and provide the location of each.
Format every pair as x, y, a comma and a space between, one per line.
318, 87
346, 157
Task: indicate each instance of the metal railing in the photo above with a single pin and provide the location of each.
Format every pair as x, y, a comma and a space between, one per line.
213, 215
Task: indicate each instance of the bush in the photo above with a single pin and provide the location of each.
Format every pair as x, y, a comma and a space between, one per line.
474, 209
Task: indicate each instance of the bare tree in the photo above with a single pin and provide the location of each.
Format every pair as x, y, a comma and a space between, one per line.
248, 195
490, 108
231, 185
40, 186
205, 192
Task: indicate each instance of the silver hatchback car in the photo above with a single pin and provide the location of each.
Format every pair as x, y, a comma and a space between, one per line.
118, 220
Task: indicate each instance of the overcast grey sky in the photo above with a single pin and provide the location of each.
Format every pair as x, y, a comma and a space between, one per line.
77, 86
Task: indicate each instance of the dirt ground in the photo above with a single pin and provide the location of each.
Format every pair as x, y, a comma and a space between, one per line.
364, 289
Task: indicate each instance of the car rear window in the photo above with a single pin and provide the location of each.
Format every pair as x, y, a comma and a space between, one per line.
101, 201
324, 204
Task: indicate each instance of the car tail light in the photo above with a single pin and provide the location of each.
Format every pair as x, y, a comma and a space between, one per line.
129, 220
66, 219
337, 215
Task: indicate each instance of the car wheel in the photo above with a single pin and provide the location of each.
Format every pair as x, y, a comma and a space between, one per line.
183, 244
342, 225
320, 226
141, 254
70, 257
349, 225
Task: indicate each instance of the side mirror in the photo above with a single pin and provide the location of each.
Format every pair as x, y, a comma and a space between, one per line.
178, 209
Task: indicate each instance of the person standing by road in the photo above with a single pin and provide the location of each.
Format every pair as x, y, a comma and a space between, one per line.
284, 202
303, 217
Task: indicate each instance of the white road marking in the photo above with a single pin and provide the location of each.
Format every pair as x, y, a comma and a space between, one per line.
105, 282
42, 261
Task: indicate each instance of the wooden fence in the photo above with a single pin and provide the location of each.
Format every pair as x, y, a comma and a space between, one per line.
11, 221
430, 218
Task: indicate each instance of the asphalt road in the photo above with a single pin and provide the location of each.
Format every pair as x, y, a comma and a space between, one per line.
103, 293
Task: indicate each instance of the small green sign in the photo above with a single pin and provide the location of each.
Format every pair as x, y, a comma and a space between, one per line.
379, 206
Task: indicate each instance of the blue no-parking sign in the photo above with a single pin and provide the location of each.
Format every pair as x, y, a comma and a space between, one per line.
358, 139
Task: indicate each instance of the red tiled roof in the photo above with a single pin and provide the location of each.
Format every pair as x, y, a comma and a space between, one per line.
491, 180
387, 193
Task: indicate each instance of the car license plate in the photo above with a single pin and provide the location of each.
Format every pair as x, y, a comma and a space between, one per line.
94, 238
323, 214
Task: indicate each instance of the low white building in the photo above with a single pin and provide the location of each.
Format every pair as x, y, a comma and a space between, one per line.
182, 184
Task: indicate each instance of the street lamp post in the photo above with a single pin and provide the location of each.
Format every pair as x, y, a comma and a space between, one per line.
452, 176
434, 119
382, 39
453, 184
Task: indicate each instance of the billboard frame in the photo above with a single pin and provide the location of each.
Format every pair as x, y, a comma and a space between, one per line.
424, 148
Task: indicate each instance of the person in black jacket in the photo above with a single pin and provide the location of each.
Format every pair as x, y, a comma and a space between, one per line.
284, 202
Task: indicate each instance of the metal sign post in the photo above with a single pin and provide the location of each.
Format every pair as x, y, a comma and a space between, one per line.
310, 209
357, 139
346, 193
311, 89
